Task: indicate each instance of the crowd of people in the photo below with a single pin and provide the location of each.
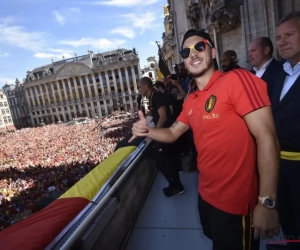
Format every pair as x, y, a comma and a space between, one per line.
36, 161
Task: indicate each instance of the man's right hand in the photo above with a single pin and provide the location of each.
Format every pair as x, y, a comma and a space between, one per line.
140, 128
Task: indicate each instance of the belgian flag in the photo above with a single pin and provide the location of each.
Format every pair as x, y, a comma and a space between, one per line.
163, 70
40, 229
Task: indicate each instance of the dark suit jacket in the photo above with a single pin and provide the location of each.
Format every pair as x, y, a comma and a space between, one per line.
287, 114
271, 73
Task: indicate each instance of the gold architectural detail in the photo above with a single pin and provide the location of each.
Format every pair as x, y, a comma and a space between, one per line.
166, 10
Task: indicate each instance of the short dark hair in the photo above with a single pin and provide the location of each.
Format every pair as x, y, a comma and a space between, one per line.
288, 17
266, 42
160, 84
201, 33
230, 53
146, 80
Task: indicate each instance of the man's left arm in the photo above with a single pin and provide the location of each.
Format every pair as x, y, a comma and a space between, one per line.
261, 125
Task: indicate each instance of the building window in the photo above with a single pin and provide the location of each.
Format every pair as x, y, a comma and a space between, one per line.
60, 85
77, 81
129, 71
72, 82
90, 78
1, 104
93, 92
97, 77
5, 104
83, 80
136, 70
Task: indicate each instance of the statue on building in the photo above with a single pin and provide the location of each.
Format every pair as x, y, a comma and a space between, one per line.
166, 10
17, 82
225, 15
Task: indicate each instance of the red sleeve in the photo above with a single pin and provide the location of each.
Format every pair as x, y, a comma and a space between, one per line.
247, 92
183, 117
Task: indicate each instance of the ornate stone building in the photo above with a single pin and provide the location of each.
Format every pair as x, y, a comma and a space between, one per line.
90, 85
233, 24
17, 103
168, 47
150, 70
6, 122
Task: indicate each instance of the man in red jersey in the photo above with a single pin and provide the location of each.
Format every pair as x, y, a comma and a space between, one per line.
235, 138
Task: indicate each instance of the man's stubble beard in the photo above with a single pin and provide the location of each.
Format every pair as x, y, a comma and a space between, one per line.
202, 72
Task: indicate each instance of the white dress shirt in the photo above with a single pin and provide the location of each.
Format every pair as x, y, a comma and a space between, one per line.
259, 72
292, 74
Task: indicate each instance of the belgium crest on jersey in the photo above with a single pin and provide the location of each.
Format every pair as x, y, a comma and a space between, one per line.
210, 103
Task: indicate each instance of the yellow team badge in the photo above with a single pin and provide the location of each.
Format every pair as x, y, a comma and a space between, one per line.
210, 103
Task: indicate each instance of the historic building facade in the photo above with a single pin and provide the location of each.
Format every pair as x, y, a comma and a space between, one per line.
6, 122
168, 48
233, 24
90, 85
17, 103
150, 70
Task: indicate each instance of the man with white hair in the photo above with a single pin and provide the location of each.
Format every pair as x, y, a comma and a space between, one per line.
286, 112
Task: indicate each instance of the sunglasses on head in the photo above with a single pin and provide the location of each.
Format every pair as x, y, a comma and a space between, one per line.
198, 47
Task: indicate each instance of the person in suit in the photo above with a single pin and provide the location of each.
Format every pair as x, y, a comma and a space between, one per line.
260, 54
286, 111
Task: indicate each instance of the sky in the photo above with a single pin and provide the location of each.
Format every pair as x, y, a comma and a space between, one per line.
34, 31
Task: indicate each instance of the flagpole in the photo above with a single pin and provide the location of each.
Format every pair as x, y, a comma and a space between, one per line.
161, 54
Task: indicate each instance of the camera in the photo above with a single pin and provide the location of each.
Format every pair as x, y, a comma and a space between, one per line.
174, 77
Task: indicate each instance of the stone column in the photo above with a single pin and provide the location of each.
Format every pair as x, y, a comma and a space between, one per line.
61, 101
77, 94
90, 95
97, 96
103, 97
66, 100
116, 95
134, 78
129, 91
72, 97
49, 104
84, 97
122, 88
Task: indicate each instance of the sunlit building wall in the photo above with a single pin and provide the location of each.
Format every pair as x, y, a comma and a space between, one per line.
92, 85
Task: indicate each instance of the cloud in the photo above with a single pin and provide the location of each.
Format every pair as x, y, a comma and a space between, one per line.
48, 55
125, 3
60, 50
143, 21
66, 15
16, 36
152, 43
97, 43
8, 20
3, 54
59, 17
124, 31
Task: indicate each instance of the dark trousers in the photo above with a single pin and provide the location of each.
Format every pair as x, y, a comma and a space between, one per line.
194, 153
289, 200
168, 161
227, 231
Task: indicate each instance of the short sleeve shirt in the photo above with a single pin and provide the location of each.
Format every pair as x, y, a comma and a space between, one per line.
227, 159
157, 101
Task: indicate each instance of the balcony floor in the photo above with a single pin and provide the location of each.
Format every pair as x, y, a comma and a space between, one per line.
171, 223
